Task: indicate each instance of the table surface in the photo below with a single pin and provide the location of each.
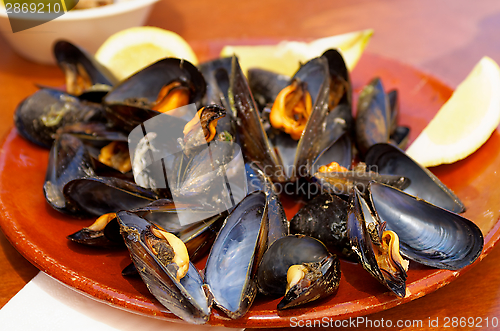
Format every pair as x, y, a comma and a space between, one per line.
444, 38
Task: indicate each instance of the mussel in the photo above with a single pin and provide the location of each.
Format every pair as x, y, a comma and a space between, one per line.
377, 116
377, 250
325, 218
237, 250
163, 263
306, 117
85, 76
428, 234
161, 87
68, 160
39, 116
101, 195
300, 268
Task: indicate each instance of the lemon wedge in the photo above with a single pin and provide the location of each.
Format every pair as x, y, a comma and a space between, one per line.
285, 57
465, 121
128, 51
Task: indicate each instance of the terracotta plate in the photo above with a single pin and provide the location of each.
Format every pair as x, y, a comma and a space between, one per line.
39, 232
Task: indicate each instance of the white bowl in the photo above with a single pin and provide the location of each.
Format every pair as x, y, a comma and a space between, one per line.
87, 28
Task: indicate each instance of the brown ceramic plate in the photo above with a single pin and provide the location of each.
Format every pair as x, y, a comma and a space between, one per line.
39, 232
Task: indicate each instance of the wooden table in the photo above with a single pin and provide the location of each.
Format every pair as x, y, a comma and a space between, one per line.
444, 38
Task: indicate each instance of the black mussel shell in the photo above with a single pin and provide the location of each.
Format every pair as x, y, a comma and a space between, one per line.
75, 62
237, 250
360, 218
321, 287
340, 151
68, 160
93, 133
373, 117
108, 237
393, 99
298, 250
101, 195
325, 218
252, 137
39, 116
340, 118
428, 234
216, 74
147, 83
391, 160
130, 103
298, 156
185, 298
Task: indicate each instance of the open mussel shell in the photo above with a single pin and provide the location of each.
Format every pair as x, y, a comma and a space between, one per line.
424, 184
147, 83
185, 297
105, 232
325, 218
101, 195
252, 137
340, 151
237, 250
108, 148
132, 101
373, 117
68, 160
340, 99
39, 116
85, 77
198, 229
217, 74
363, 226
320, 280
428, 234
298, 156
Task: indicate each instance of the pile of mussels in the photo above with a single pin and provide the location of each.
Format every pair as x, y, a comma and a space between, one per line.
373, 203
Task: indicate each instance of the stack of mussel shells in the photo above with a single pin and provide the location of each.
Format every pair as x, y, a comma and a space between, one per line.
364, 199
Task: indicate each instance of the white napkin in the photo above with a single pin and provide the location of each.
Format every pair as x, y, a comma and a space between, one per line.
46, 304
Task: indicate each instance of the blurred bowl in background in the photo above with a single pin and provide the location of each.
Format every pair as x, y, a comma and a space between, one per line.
87, 28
